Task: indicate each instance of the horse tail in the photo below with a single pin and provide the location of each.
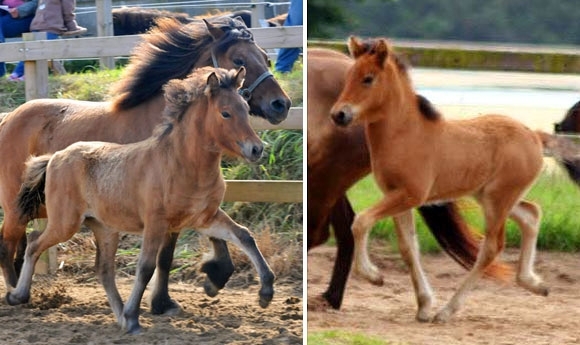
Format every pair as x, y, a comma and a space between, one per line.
565, 151
31, 195
458, 240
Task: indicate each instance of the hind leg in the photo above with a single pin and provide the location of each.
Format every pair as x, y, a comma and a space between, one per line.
107, 243
341, 219
496, 207
161, 303
527, 215
409, 248
55, 233
13, 240
223, 227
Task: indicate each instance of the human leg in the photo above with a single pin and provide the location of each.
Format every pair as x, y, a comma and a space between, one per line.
287, 56
12, 27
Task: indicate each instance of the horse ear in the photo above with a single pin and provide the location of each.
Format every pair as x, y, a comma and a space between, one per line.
240, 21
214, 31
240, 75
355, 47
212, 81
382, 51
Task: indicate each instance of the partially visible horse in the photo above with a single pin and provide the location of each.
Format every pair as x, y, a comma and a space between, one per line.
571, 125
139, 20
171, 51
337, 158
156, 187
418, 158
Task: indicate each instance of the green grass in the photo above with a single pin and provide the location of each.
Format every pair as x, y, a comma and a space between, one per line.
553, 191
339, 337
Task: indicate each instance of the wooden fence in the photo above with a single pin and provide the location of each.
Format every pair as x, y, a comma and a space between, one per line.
481, 55
36, 54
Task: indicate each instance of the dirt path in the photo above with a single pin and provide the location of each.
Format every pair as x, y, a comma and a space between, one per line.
79, 314
494, 313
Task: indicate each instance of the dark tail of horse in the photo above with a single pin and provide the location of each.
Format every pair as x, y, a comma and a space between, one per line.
31, 196
457, 239
565, 151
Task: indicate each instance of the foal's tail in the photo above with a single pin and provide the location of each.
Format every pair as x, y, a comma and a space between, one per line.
457, 239
565, 151
31, 195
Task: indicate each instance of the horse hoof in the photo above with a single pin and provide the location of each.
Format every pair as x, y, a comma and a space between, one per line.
334, 301
165, 307
266, 295
422, 316
442, 317
13, 300
210, 289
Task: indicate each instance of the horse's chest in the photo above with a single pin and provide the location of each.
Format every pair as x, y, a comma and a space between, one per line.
195, 210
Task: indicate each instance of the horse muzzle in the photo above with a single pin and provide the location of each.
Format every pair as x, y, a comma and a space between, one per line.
252, 151
343, 116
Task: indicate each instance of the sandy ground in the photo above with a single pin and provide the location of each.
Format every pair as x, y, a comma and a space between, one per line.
495, 313
71, 307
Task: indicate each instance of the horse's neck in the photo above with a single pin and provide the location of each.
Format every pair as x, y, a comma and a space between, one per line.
192, 149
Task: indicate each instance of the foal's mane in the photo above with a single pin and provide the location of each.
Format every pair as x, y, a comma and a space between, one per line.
170, 51
426, 108
180, 94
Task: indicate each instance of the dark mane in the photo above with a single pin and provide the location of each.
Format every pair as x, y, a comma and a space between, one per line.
570, 121
170, 51
180, 94
427, 109
137, 20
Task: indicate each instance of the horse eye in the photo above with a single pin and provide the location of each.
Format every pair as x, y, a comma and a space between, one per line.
368, 80
226, 115
239, 62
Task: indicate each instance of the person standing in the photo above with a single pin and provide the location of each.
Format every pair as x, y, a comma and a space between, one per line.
287, 56
56, 18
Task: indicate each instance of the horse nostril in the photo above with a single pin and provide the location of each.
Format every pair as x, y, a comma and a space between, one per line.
340, 118
280, 105
257, 151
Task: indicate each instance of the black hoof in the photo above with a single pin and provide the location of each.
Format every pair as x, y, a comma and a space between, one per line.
210, 289
165, 306
132, 326
218, 273
266, 295
13, 300
334, 301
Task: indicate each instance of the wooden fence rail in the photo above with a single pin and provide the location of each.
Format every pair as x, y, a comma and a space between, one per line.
481, 55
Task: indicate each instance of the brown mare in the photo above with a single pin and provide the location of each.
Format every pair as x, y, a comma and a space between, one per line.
418, 158
337, 158
571, 125
143, 187
172, 51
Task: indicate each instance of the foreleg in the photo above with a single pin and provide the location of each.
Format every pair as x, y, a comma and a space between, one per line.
223, 227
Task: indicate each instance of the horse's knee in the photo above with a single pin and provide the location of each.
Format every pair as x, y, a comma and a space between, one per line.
245, 237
